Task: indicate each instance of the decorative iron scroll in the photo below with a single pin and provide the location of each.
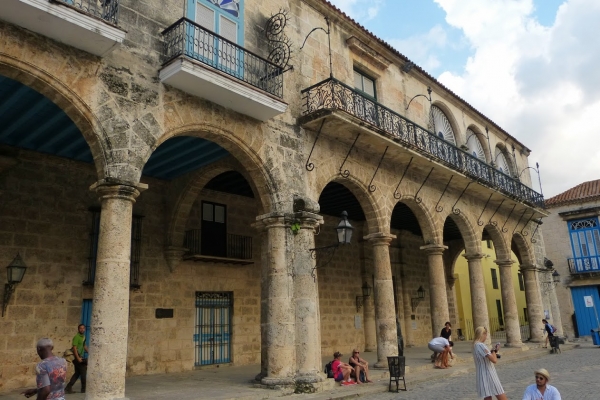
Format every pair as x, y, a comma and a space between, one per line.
310, 166
523, 231
396, 194
455, 209
507, 218
280, 46
332, 94
519, 221
346, 173
479, 221
372, 187
439, 208
497, 208
418, 200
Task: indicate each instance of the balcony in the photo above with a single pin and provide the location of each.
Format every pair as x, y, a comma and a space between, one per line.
89, 25
235, 249
584, 266
206, 65
353, 111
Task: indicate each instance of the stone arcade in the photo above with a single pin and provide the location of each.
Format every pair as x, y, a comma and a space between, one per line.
165, 185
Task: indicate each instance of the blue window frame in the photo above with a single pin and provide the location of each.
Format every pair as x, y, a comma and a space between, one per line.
585, 242
86, 319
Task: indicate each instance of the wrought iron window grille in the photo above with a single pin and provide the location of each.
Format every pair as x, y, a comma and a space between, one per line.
332, 94
107, 10
187, 38
237, 246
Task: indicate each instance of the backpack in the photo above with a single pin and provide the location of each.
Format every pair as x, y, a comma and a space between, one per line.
553, 328
329, 370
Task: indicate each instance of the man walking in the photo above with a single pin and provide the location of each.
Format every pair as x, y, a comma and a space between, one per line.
51, 373
541, 389
80, 363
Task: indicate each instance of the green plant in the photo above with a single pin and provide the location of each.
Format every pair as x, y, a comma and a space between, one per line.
295, 227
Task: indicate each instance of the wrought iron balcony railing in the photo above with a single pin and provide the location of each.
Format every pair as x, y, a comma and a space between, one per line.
107, 10
236, 246
332, 94
582, 265
187, 38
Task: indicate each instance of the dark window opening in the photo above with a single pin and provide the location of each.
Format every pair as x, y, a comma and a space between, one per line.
499, 308
494, 278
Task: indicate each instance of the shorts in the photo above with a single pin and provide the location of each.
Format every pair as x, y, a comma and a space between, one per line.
437, 349
339, 377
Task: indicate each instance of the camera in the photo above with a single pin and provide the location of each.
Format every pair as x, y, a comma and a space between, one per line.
497, 347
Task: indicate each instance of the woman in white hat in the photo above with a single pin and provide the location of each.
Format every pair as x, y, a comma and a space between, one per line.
541, 389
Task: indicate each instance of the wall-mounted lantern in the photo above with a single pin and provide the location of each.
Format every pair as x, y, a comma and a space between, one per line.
15, 272
344, 236
414, 302
366, 292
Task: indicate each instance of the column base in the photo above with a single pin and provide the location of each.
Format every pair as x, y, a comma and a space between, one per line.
514, 345
312, 383
381, 365
278, 383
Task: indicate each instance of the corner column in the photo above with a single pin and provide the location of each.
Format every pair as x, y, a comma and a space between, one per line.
278, 330
509, 301
385, 319
306, 299
534, 303
437, 287
479, 307
110, 310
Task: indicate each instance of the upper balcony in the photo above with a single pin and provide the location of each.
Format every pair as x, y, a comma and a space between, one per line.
206, 65
89, 25
582, 267
349, 110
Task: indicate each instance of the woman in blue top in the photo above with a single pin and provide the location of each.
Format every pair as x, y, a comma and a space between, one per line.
488, 384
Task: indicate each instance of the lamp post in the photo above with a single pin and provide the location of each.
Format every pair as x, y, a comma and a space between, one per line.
15, 272
344, 236
537, 170
366, 292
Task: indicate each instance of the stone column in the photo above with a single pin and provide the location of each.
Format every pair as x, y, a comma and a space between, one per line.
534, 303
408, 333
278, 328
110, 310
385, 319
306, 299
478, 298
509, 301
437, 287
369, 320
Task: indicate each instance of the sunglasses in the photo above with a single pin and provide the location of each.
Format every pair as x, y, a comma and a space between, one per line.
542, 378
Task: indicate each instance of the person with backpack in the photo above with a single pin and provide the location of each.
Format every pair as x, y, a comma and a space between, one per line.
550, 329
341, 370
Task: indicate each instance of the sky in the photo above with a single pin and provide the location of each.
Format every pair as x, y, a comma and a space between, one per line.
531, 66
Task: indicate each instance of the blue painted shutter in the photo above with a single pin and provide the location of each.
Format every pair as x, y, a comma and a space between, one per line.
86, 319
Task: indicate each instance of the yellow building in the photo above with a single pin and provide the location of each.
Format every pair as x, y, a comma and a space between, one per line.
493, 291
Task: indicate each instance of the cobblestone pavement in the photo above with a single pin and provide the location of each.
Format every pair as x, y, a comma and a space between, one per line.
576, 374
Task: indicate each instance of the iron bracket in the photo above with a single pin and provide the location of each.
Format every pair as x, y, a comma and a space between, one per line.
346, 173
519, 221
310, 166
418, 200
456, 210
523, 231
479, 221
372, 187
497, 208
507, 218
439, 208
396, 194
538, 222
329, 251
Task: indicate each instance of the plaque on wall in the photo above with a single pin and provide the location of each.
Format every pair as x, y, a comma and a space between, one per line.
164, 313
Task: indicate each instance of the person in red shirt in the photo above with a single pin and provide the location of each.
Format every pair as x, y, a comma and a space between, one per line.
341, 370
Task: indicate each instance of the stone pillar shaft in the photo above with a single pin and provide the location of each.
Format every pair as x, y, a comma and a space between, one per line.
306, 298
385, 320
278, 328
534, 303
110, 310
437, 288
509, 301
478, 298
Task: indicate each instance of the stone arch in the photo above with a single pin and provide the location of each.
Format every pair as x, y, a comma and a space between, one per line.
432, 234
266, 186
66, 99
482, 139
526, 255
453, 124
187, 188
372, 210
501, 248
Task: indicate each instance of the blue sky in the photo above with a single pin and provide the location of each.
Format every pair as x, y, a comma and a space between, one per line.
529, 65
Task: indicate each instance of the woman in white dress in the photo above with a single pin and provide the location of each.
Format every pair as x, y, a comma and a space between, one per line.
488, 384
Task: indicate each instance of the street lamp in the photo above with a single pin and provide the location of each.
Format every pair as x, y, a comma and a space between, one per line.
15, 272
414, 302
344, 235
366, 291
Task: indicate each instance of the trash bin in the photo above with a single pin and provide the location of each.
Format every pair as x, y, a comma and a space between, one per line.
596, 337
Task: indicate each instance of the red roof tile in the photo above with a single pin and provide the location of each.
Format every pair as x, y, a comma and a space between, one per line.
583, 192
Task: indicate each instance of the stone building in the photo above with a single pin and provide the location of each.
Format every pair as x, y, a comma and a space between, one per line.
572, 240
166, 185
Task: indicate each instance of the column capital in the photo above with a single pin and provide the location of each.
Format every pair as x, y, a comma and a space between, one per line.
308, 220
527, 267
434, 248
504, 263
272, 220
473, 256
380, 238
115, 189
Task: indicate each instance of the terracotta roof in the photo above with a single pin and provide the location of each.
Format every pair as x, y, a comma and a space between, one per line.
581, 193
421, 70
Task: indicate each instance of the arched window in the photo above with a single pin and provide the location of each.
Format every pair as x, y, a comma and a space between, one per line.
441, 125
474, 145
502, 162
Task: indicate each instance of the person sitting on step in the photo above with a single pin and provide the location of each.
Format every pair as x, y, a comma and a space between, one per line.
359, 365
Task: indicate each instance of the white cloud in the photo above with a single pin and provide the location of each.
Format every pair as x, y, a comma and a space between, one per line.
421, 48
359, 10
541, 84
